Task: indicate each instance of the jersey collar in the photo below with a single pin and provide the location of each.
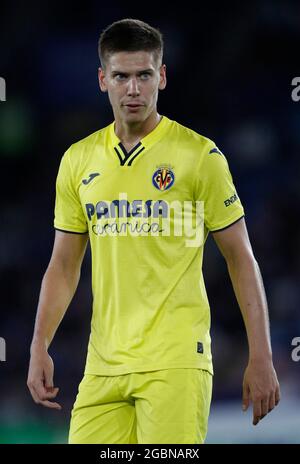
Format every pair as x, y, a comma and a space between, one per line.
127, 158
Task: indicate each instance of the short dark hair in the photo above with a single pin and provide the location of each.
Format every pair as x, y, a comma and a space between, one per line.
130, 35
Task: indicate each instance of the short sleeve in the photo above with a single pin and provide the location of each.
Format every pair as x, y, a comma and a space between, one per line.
68, 214
215, 187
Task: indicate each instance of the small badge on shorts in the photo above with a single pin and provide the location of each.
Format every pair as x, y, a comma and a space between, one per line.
199, 347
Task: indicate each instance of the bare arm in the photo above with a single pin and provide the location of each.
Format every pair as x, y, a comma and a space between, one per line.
58, 287
260, 381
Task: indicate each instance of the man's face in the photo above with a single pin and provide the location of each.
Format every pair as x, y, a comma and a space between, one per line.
132, 80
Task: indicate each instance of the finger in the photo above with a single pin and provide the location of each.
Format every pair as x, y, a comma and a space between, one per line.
277, 395
246, 397
46, 403
264, 407
52, 391
50, 404
33, 392
256, 412
48, 376
39, 389
44, 394
272, 402
34, 395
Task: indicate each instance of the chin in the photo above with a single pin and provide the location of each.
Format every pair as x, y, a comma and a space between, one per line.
134, 118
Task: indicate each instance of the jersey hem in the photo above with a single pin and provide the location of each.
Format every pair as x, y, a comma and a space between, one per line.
67, 230
129, 370
226, 224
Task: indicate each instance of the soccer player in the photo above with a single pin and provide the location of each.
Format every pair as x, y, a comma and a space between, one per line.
146, 191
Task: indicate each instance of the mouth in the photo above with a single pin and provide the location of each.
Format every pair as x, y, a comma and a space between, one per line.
133, 106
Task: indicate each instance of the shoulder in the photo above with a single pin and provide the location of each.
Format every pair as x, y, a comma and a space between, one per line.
193, 139
78, 155
88, 143
207, 159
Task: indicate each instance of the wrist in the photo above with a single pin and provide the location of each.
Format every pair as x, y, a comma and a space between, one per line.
260, 358
38, 344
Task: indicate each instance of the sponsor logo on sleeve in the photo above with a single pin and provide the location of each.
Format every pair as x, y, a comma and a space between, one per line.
230, 200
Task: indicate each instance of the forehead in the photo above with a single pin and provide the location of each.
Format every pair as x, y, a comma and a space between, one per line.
130, 61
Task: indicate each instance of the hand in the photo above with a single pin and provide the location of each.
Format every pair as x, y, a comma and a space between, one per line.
40, 379
260, 386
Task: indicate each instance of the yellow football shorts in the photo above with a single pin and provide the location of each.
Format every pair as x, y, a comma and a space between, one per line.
163, 406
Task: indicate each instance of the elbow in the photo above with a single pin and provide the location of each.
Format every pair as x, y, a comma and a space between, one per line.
242, 258
68, 274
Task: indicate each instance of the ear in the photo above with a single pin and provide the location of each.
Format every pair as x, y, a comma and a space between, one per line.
101, 78
162, 77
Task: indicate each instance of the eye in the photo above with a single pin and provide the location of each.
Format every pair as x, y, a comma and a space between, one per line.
120, 76
145, 76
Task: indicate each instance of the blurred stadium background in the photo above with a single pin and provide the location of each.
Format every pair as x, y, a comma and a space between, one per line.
229, 72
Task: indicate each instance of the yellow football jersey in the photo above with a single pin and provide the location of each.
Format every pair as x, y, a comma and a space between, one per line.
148, 213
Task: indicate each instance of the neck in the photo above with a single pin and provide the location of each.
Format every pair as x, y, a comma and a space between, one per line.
130, 133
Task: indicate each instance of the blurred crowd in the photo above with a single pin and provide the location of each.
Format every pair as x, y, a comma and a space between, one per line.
229, 76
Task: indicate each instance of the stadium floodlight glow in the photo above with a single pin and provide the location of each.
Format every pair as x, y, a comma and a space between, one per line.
2, 349
2, 89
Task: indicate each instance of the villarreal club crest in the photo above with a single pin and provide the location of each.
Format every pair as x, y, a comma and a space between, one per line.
163, 178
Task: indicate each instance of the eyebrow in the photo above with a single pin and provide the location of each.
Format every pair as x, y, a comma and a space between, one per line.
149, 70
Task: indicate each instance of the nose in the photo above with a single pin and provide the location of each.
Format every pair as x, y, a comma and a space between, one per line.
133, 88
